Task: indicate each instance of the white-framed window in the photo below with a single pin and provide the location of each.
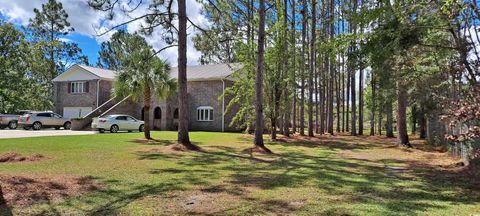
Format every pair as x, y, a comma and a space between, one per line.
78, 87
205, 113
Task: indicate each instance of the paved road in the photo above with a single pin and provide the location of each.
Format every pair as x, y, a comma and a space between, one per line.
19, 133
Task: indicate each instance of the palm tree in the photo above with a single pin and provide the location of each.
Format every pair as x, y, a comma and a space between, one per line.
142, 75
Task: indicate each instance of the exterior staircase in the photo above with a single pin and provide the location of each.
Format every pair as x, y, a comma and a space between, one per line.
85, 122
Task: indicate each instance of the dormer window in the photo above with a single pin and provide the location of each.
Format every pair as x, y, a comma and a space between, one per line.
205, 113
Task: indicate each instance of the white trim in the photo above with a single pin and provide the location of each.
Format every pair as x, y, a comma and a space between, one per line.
206, 112
64, 77
77, 87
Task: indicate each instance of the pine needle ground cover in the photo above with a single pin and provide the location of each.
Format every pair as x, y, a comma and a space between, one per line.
119, 174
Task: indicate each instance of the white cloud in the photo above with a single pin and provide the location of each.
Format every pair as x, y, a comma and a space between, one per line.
65, 40
89, 22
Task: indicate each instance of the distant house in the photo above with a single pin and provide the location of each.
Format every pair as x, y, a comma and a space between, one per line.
85, 92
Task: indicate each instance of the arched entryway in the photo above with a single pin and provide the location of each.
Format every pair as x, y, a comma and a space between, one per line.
157, 118
175, 119
175, 114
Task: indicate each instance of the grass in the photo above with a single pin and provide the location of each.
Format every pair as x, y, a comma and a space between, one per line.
328, 176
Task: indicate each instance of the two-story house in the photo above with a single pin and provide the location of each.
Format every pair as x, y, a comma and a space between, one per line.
85, 92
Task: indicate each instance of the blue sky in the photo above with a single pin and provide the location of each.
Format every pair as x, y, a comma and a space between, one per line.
87, 22
89, 46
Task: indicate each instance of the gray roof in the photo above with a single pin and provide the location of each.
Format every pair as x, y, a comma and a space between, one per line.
207, 72
194, 73
102, 73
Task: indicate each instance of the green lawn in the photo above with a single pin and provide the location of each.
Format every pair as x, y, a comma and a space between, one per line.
338, 176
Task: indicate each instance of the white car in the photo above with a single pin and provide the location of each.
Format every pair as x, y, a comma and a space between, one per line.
115, 123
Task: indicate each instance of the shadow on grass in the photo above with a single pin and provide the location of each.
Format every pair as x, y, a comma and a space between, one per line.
224, 169
153, 142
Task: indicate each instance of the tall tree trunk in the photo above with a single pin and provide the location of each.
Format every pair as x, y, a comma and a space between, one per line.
360, 102
273, 130
423, 124
317, 83
402, 114
249, 21
183, 137
337, 97
284, 109
322, 98
338, 72
347, 118
352, 69
414, 119
147, 96
258, 142
317, 87
302, 66
389, 124
343, 94
380, 122
374, 106
354, 106
343, 82
293, 77
322, 71
53, 72
312, 70
294, 110
331, 69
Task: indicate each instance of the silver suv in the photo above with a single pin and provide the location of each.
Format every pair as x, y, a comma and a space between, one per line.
39, 120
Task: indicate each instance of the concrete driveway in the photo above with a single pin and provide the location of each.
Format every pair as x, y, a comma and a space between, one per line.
20, 133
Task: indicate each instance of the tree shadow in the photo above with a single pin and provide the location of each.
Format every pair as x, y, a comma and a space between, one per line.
411, 190
153, 142
373, 182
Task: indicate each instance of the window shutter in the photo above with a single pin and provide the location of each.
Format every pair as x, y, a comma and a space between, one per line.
86, 86
69, 87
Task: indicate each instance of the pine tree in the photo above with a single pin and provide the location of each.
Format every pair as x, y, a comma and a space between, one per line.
48, 24
259, 125
312, 69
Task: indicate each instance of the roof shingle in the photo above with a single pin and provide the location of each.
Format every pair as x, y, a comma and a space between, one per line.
194, 73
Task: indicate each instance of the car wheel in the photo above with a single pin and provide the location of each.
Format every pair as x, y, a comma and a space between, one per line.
129, 131
142, 128
114, 129
101, 131
37, 126
67, 125
12, 125
26, 128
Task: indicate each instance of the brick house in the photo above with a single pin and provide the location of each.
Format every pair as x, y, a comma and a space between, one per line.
84, 92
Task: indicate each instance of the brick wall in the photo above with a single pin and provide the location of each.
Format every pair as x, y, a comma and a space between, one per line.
87, 99
200, 93
105, 91
65, 99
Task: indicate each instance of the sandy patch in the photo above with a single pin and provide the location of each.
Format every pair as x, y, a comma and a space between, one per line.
28, 190
15, 157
